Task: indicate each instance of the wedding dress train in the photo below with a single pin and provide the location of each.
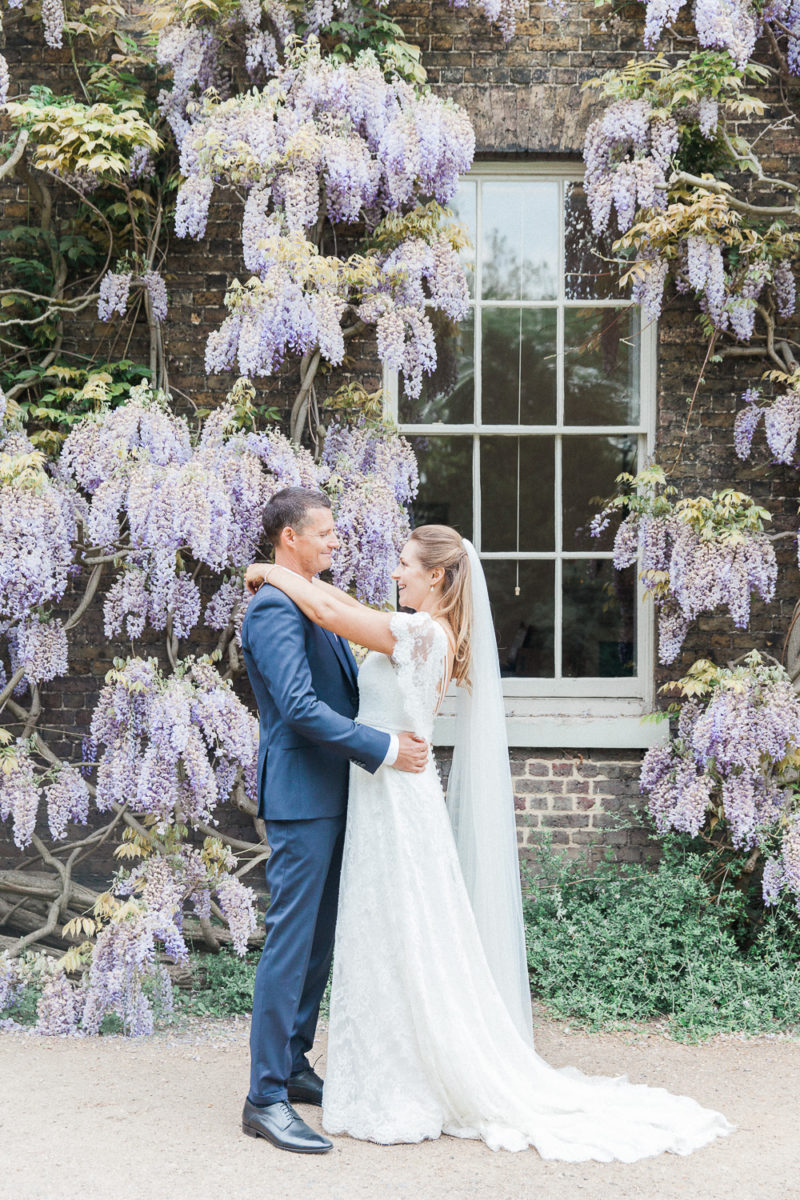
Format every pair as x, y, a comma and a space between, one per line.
420, 1041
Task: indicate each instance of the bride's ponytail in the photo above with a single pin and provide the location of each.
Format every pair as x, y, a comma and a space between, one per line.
441, 546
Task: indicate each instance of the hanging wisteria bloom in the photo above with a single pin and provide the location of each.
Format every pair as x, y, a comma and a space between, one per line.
157, 291
122, 971
53, 21
20, 792
58, 1010
781, 419
191, 53
731, 25
4, 80
67, 799
695, 555
627, 152
10, 984
114, 292
733, 755
38, 527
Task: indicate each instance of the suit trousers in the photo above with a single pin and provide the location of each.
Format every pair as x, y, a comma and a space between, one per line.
303, 882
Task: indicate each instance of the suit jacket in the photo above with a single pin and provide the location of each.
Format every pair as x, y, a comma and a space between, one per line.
305, 682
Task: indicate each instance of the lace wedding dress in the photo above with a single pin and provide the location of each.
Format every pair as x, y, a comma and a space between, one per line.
420, 1041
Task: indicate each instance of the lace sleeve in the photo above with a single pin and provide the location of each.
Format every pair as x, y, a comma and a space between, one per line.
420, 660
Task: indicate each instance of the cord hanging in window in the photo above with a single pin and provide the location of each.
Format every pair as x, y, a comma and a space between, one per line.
519, 439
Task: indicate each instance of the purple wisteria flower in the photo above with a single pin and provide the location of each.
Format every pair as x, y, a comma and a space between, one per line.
58, 1010
238, 906
728, 758
53, 21
627, 152
372, 479
157, 291
114, 292
5, 82
67, 799
10, 983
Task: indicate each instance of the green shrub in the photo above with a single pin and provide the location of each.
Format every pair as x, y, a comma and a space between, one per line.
615, 944
222, 984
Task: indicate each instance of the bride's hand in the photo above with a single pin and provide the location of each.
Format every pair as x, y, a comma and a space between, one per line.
255, 575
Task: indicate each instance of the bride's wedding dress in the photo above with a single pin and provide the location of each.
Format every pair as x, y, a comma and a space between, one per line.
420, 1040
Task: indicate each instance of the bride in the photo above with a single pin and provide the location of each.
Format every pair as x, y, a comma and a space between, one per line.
430, 1023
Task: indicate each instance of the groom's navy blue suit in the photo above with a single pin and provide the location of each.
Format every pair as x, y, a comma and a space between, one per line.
305, 684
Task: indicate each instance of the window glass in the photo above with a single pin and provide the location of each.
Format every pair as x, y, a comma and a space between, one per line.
599, 615
589, 467
445, 482
519, 240
590, 270
449, 393
601, 366
518, 380
524, 624
512, 466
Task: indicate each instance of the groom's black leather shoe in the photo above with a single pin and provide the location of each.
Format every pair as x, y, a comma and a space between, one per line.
305, 1087
281, 1126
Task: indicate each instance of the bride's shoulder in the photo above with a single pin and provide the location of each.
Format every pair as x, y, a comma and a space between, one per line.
419, 628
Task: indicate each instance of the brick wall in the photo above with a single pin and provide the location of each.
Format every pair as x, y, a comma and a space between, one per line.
583, 802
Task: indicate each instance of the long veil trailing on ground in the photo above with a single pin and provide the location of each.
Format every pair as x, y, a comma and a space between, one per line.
480, 801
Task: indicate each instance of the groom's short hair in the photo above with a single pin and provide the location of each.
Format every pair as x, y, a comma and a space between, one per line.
290, 507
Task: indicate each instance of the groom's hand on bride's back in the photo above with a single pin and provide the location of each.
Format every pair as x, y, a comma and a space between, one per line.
413, 753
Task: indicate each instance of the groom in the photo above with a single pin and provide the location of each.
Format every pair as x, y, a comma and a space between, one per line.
305, 683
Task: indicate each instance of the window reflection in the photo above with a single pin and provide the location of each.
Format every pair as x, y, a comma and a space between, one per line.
518, 389
524, 624
590, 264
499, 475
464, 209
519, 243
589, 467
599, 619
445, 483
601, 366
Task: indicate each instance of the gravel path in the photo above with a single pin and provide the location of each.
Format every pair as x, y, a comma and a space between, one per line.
158, 1119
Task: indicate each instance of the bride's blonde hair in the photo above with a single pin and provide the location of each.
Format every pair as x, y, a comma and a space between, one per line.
441, 546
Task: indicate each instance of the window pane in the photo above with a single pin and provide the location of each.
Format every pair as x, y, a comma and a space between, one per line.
502, 472
601, 366
519, 242
514, 391
445, 483
449, 393
589, 273
524, 623
599, 616
463, 206
589, 466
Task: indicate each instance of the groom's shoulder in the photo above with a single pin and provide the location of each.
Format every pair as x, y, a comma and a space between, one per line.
269, 599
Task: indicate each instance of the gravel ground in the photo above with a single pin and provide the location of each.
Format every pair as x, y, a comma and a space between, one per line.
158, 1119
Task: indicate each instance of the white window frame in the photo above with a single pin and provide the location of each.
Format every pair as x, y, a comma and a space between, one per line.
560, 711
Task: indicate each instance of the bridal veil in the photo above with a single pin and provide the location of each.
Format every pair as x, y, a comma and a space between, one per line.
480, 801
